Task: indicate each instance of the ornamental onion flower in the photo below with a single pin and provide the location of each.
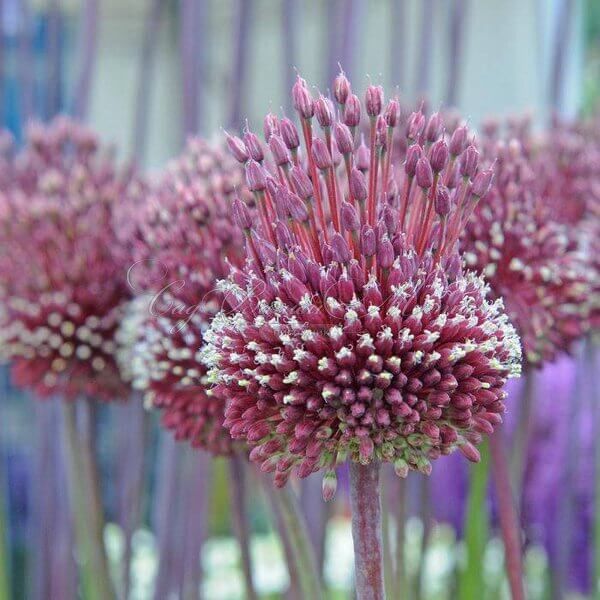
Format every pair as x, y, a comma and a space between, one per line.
63, 286
528, 258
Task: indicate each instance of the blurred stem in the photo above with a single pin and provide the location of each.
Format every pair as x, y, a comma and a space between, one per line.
239, 509
4, 555
521, 436
85, 502
89, 30
476, 529
388, 565
425, 500
316, 513
509, 522
400, 579
591, 356
295, 530
365, 503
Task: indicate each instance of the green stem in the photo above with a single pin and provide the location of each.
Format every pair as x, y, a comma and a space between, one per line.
87, 509
476, 529
296, 532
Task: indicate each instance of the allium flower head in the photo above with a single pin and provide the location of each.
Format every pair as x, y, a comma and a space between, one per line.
353, 332
186, 240
528, 258
63, 288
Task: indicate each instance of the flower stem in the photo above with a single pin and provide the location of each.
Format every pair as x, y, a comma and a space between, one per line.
509, 523
365, 502
295, 530
400, 578
4, 555
521, 437
87, 508
239, 488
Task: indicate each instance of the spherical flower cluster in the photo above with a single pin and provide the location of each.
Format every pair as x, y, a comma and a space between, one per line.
352, 332
186, 240
529, 259
63, 288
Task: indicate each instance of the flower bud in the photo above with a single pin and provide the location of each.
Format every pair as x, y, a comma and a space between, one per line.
237, 148
380, 132
416, 123
482, 183
341, 88
343, 137
241, 214
374, 100
358, 185
352, 111
442, 201
324, 111
458, 141
296, 207
301, 183
392, 113
341, 252
255, 176
270, 126
413, 154
253, 146
470, 452
350, 219
279, 150
289, 133
424, 173
321, 154
363, 156
439, 156
368, 245
469, 162
434, 128
385, 253
303, 101
329, 485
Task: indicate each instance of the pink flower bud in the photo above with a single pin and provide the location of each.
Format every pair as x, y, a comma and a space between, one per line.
374, 100
413, 154
470, 452
368, 245
241, 214
350, 219
253, 146
321, 154
329, 485
358, 185
279, 151
237, 148
297, 208
343, 137
469, 162
458, 141
482, 183
434, 128
301, 183
341, 88
380, 132
442, 201
363, 156
424, 173
270, 126
352, 111
416, 123
303, 101
289, 133
324, 111
392, 113
439, 156
385, 253
255, 176
341, 252
281, 203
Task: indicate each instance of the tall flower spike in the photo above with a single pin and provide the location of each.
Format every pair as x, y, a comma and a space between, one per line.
63, 283
361, 338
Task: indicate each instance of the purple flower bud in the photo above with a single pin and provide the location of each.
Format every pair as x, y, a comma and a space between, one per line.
390, 219
482, 183
341, 252
289, 133
237, 148
392, 113
270, 126
241, 214
458, 141
442, 201
255, 177
281, 202
358, 185
336, 155
424, 173
439, 156
321, 154
352, 111
324, 111
272, 186
416, 123
301, 183
385, 253
368, 244
303, 101
297, 208
280, 153
469, 162
343, 137
374, 100
363, 156
253, 146
413, 154
434, 128
283, 235
380, 132
350, 219
329, 480
341, 88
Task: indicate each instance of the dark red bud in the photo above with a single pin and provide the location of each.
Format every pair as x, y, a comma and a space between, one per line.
413, 154
241, 214
341, 252
439, 156
469, 162
350, 219
442, 201
368, 245
385, 253
424, 173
